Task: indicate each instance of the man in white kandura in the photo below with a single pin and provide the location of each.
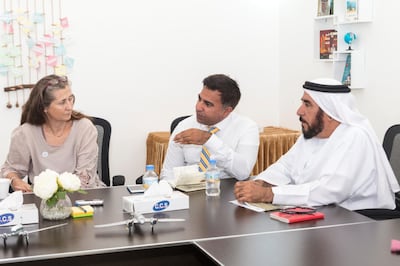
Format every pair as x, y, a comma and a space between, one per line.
338, 159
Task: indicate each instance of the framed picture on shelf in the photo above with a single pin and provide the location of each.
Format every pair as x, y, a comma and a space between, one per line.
351, 12
327, 43
325, 7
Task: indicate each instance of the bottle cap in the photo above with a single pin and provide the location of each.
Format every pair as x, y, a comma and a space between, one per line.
213, 162
150, 167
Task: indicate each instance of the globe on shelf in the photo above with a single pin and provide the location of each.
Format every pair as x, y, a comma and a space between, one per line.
349, 38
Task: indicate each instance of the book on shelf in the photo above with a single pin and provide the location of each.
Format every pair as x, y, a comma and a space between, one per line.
327, 43
295, 218
346, 78
351, 12
325, 7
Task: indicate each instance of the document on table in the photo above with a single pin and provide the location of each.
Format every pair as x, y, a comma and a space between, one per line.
192, 187
188, 175
258, 207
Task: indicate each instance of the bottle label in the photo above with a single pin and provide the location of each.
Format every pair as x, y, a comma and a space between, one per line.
212, 175
148, 181
212, 183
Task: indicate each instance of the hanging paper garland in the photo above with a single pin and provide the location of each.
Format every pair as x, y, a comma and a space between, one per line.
32, 43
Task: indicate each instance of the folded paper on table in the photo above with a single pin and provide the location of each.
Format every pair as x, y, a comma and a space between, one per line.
265, 206
295, 218
192, 187
187, 175
258, 207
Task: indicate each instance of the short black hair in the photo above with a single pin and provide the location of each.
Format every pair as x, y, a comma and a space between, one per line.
229, 89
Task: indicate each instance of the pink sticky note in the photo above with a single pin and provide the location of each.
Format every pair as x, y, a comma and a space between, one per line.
38, 49
395, 247
51, 60
64, 22
8, 28
47, 39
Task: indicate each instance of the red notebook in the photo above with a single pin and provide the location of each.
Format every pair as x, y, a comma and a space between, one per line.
295, 218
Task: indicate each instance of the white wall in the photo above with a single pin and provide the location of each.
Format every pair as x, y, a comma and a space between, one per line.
139, 64
379, 101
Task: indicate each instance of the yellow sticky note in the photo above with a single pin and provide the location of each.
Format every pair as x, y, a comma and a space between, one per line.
82, 211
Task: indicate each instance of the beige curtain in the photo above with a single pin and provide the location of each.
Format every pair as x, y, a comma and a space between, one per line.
274, 142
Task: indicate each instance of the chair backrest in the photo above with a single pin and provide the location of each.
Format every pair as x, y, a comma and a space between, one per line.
176, 121
391, 145
103, 140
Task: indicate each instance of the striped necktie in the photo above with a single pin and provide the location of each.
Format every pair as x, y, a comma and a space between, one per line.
205, 154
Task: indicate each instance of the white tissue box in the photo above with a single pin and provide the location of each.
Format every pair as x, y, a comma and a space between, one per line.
142, 204
27, 214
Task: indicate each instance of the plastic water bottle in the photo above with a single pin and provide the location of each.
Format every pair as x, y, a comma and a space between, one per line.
212, 179
149, 176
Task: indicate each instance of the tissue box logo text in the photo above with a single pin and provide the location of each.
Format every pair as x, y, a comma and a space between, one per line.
6, 218
161, 205
143, 204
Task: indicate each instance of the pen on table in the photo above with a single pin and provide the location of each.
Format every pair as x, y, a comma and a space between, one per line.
80, 207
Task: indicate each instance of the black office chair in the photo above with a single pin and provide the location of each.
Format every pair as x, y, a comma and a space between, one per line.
103, 140
174, 123
391, 145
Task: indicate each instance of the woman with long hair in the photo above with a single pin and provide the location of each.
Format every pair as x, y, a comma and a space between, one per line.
52, 135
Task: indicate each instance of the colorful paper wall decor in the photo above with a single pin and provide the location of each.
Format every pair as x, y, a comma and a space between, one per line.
32, 45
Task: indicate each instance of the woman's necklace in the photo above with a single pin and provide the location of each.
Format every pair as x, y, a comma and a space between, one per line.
59, 135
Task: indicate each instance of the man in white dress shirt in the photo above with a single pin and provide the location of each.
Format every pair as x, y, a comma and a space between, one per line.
338, 159
234, 146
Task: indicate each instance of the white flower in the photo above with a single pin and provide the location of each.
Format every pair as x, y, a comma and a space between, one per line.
45, 184
70, 182
51, 186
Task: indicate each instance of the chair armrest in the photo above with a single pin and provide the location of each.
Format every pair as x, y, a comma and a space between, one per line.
397, 200
139, 180
118, 180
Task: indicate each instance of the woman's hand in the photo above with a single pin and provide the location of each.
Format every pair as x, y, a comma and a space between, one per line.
19, 184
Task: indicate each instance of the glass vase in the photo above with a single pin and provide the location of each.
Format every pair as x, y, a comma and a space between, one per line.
61, 210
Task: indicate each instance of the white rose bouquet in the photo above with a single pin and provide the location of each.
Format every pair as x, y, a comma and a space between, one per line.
51, 186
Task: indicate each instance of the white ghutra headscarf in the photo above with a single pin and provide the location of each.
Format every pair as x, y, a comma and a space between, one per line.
336, 101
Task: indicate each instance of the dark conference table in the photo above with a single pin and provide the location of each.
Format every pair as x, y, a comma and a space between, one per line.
207, 220
366, 244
